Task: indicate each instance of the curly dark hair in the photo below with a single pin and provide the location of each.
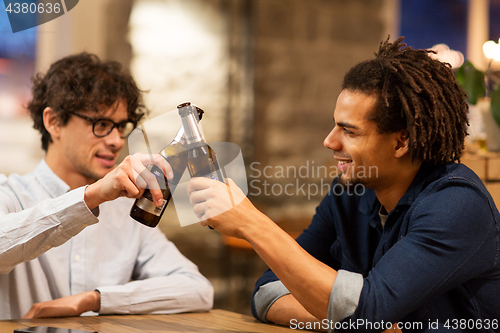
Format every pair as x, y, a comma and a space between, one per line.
415, 93
82, 82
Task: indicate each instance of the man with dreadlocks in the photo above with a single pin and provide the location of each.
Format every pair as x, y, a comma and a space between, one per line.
419, 248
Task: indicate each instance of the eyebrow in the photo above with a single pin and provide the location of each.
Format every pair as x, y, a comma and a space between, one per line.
127, 120
346, 125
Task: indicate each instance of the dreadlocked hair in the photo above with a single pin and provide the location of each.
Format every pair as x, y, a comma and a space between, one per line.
416, 94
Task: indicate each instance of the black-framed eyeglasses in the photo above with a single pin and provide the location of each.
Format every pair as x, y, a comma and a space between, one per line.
102, 127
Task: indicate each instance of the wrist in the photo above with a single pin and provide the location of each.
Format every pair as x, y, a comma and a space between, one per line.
92, 301
97, 300
261, 226
92, 197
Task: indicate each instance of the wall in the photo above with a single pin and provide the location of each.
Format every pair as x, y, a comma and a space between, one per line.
302, 50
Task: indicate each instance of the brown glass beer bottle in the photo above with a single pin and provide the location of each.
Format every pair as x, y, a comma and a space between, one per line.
201, 158
144, 210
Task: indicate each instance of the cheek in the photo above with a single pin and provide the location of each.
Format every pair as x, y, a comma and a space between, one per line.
369, 153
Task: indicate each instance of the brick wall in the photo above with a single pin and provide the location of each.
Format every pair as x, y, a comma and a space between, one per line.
302, 50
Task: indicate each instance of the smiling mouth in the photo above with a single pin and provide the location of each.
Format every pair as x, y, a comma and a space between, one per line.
343, 159
107, 161
107, 158
344, 165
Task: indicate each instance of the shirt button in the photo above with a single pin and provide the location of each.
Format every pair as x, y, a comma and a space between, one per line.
77, 258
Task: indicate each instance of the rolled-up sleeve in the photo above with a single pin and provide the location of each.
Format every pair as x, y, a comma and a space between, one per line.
345, 294
266, 296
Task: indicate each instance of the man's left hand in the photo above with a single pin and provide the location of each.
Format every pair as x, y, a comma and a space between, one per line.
70, 306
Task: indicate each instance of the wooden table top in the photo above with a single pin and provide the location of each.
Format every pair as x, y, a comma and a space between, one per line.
215, 321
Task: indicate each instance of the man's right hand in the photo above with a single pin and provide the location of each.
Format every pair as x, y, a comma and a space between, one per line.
128, 179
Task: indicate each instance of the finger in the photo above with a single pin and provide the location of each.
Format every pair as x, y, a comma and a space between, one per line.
235, 192
199, 210
156, 159
29, 314
198, 196
149, 180
165, 167
138, 180
154, 181
130, 190
200, 183
142, 174
230, 195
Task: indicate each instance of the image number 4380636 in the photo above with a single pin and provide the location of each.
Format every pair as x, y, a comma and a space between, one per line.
26, 14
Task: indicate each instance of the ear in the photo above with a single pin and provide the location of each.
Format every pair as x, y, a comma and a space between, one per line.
402, 147
51, 122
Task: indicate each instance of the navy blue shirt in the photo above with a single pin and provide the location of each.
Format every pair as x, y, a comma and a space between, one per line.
435, 261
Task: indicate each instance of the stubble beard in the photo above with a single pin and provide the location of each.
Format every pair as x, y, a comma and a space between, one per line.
87, 172
350, 182
343, 180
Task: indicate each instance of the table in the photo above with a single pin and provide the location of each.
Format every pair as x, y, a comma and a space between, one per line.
215, 321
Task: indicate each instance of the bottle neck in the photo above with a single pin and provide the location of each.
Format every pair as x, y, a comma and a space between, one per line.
180, 136
192, 131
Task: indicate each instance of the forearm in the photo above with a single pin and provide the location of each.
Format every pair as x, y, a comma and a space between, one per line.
309, 280
287, 309
293, 266
165, 294
26, 234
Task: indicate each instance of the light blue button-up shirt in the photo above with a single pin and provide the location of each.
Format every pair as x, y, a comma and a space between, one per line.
52, 246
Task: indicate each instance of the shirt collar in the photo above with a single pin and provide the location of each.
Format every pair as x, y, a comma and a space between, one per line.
369, 203
425, 175
54, 185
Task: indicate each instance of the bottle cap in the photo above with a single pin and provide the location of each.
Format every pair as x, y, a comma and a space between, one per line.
200, 112
180, 106
186, 110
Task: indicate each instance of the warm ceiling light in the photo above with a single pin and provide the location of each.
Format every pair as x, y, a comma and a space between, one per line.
492, 50
445, 54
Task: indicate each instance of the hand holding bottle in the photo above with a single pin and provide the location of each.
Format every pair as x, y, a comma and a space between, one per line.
147, 211
222, 206
129, 179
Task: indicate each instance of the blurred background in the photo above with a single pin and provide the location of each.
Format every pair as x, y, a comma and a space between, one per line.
266, 72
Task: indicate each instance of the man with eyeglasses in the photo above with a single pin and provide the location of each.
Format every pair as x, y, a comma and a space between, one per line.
67, 243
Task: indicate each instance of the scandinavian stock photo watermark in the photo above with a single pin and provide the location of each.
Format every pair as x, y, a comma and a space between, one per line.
362, 325
308, 180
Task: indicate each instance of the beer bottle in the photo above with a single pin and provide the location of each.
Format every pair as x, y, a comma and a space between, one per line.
144, 210
201, 158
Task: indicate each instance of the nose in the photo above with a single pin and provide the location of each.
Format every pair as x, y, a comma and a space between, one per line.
332, 141
113, 139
